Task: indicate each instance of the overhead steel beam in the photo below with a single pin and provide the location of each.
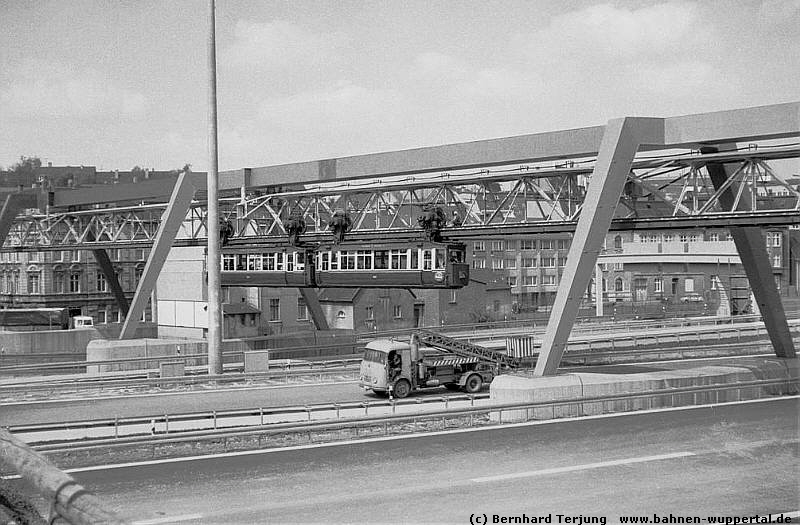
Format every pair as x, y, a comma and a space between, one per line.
752, 248
747, 124
621, 139
171, 221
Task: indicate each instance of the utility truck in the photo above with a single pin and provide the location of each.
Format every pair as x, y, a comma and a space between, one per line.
428, 360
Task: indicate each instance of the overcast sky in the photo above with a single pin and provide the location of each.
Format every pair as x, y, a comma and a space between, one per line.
119, 83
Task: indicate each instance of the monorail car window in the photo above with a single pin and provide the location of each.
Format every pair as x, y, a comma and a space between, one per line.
290, 262
439, 258
381, 260
228, 263
398, 259
414, 259
364, 260
324, 261
254, 262
241, 262
299, 263
427, 262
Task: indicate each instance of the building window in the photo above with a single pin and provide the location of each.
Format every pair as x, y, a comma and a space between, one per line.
498, 246
74, 282
618, 284
774, 239
478, 246
511, 263
397, 311
546, 244
527, 244
530, 280
528, 262
688, 284
550, 280
75, 256
102, 316
618, 242
512, 281
658, 285
776, 260
102, 282
497, 264
728, 237
548, 262
563, 244
713, 237
302, 310
479, 263
274, 309
683, 237
562, 261
341, 315
58, 256
34, 287
693, 237
370, 311
138, 255
58, 282
453, 296
668, 237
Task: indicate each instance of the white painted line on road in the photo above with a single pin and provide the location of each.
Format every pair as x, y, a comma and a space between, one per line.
169, 519
414, 436
577, 468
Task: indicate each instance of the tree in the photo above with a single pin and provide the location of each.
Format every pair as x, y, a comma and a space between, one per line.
26, 165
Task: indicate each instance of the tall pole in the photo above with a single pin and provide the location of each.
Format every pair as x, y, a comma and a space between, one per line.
213, 258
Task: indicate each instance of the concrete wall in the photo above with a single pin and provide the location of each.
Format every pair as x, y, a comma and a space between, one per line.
18, 348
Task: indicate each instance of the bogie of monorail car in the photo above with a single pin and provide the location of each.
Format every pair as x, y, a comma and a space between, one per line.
423, 265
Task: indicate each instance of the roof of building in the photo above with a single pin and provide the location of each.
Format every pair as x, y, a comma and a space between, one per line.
338, 295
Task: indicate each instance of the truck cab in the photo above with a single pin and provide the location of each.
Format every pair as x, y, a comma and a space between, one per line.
384, 361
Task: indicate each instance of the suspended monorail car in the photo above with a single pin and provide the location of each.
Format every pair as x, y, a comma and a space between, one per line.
391, 265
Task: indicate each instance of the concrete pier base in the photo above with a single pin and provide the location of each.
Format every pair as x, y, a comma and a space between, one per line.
579, 388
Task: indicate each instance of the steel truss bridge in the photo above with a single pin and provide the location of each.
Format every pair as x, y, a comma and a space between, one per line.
661, 192
700, 170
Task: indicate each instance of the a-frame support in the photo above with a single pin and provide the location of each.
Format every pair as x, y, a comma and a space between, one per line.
171, 220
752, 250
312, 303
620, 141
104, 261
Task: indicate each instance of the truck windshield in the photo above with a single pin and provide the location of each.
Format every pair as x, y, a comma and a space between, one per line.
374, 356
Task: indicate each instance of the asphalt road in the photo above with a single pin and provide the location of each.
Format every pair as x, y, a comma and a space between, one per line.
157, 404
735, 460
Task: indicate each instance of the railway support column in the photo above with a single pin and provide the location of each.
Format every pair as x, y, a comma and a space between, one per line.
11, 206
620, 141
314, 308
171, 220
752, 248
104, 261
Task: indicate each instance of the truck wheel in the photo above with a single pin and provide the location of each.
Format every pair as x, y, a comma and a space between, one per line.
402, 388
473, 384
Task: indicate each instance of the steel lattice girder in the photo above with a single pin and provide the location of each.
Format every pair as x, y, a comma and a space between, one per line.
660, 192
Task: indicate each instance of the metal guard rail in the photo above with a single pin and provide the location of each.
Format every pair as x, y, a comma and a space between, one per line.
372, 420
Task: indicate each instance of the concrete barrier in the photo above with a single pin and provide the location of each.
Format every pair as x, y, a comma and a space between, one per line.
47, 346
103, 350
523, 387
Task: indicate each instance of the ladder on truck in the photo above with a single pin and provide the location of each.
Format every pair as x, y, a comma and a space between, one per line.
465, 349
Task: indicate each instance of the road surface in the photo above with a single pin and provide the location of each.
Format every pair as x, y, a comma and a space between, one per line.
729, 460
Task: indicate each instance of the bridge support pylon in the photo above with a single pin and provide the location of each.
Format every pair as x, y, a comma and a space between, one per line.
621, 139
171, 220
752, 248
